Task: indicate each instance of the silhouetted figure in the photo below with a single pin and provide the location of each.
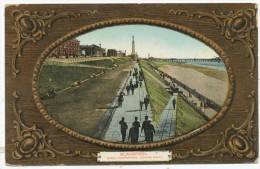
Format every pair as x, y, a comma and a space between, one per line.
123, 128
140, 83
144, 128
137, 126
150, 131
132, 87
128, 89
130, 73
132, 134
141, 104
131, 82
120, 98
174, 103
146, 102
136, 84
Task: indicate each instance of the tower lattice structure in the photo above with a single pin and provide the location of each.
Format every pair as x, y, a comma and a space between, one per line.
133, 46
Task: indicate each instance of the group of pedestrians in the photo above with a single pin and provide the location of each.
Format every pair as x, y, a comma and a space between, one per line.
133, 134
131, 87
138, 76
144, 102
136, 79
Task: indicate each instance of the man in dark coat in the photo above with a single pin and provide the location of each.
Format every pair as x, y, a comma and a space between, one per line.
150, 131
146, 102
127, 89
132, 87
174, 103
136, 84
132, 134
144, 127
131, 82
137, 126
141, 104
123, 128
140, 83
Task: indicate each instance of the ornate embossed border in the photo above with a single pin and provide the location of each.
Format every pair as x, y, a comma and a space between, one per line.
168, 25
238, 141
32, 27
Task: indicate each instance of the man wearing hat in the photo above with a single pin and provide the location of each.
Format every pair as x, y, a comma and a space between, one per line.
150, 131
136, 125
146, 102
144, 127
123, 128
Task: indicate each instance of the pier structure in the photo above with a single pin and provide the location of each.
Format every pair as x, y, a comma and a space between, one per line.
216, 59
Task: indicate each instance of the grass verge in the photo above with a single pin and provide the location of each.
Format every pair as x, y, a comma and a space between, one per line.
147, 67
53, 77
187, 119
81, 108
104, 63
214, 73
119, 61
158, 96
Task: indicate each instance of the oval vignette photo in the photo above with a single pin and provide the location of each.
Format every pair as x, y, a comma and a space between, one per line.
133, 84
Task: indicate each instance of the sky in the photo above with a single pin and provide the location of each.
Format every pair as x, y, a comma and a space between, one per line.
156, 41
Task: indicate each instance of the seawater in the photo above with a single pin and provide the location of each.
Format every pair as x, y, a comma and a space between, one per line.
213, 65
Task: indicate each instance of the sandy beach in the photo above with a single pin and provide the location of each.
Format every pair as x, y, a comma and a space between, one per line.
214, 89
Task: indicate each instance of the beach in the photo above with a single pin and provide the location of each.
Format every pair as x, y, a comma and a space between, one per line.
214, 89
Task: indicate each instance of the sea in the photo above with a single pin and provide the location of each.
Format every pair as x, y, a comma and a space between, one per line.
214, 65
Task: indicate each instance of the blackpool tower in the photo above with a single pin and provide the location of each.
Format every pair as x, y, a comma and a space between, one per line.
133, 46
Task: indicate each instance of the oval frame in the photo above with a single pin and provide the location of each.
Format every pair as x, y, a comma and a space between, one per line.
125, 21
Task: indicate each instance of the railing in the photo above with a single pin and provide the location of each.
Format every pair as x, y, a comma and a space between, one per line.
194, 107
78, 59
208, 103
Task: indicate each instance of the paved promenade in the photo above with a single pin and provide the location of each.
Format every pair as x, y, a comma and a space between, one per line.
131, 109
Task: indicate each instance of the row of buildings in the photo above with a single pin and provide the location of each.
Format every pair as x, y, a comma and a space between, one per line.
72, 48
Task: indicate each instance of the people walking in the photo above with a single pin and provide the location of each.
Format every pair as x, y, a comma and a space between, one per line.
132, 87
128, 89
141, 104
174, 103
132, 135
131, 82
123, 128
146, 102
150, 131
140, 83
136, 84
144, 128
136, 124
120, 99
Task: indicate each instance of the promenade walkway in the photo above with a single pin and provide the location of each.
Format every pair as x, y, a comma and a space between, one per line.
131, 109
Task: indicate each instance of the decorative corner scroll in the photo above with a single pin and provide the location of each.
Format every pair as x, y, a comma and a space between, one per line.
235, 26
235, 140
31, 141
31, 27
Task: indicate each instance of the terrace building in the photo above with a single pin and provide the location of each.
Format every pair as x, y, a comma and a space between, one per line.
70, 48
111, 52
120, 53
92, 51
